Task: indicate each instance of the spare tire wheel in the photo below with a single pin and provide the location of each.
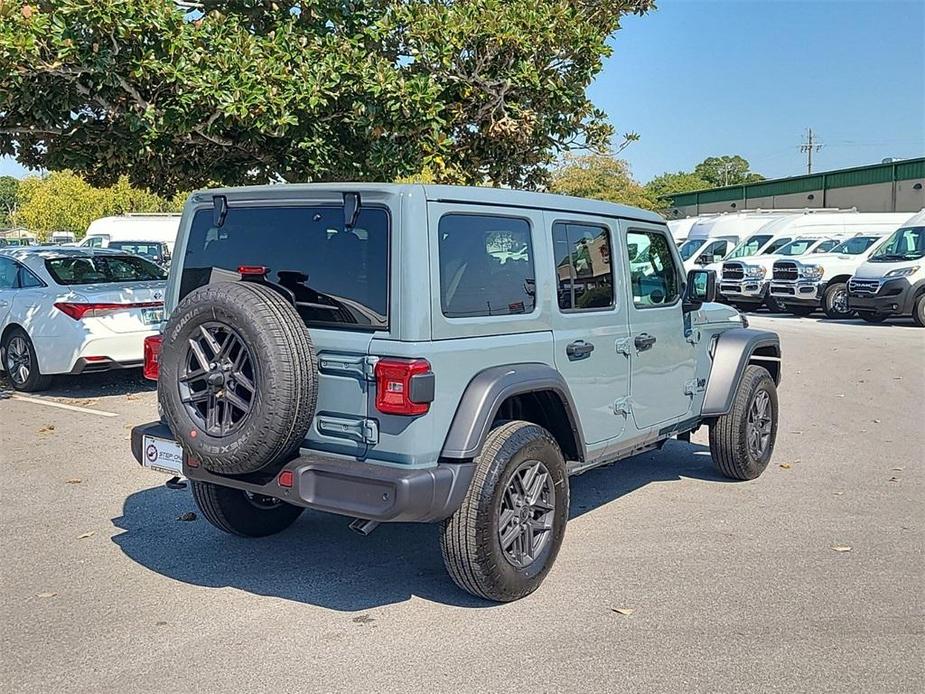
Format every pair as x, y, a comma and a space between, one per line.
238, 377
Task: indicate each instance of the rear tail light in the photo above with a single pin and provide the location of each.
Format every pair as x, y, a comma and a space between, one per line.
404, 386
80, 311
153, 344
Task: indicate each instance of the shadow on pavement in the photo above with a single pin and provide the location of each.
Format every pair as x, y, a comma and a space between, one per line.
320, 562
99, 385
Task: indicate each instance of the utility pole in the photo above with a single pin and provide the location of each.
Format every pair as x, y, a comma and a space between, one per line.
810, 144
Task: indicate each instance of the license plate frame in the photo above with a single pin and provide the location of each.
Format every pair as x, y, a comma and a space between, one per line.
162, 455
152, 316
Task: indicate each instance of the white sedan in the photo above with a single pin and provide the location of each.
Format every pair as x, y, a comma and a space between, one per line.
74, 310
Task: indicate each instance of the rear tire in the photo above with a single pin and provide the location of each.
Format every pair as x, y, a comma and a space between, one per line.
872, 317
918, 311
835, 302
517, 457
236, 513
742, 441
22, 364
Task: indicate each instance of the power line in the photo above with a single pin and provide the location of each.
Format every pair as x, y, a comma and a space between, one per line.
809, 145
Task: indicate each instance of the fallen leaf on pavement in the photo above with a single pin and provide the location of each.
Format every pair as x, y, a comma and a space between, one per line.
86, 535
876, 421
45, 595
47, 428
898, 469
363, 619
838, 493
786, 466
625, 611
841, 548
894, 478
74, 481
160, 624
188, 516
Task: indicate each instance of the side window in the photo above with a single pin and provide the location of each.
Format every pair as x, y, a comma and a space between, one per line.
8, 273
716, 250
775, 245
27, 280
486, 266
653, 274
826, 246
584, 274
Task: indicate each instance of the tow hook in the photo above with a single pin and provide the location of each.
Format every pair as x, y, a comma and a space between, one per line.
363, 526
175, 483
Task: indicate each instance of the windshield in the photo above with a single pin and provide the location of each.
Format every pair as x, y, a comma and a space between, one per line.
690, 247
336, 276
749, 246
102, 269
855, 246
797, 247
907, 243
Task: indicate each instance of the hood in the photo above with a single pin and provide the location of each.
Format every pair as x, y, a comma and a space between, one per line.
878, 270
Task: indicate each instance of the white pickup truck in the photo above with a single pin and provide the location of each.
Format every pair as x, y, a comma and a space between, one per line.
803, 285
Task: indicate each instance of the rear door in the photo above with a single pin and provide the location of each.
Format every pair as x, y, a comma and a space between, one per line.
338, 279
663, 359
590, 322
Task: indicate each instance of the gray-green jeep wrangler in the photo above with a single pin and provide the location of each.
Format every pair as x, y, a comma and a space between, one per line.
439, 354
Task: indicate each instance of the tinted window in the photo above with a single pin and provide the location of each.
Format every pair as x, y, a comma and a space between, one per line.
907, 243
583, 268
336, 276
825, 246
653, 275
27, 279
796, 247
154, 251
8, 272
689, 247
716, 250
486, 266
101, 269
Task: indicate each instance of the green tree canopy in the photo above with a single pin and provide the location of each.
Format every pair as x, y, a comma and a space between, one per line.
63, 201
727, 170
242, 91
9, 187
599, 176
678, 182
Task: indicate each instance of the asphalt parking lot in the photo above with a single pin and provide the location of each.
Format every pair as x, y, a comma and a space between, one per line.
811, 578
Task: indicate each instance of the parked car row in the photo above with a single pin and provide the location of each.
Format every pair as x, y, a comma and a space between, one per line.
800, 262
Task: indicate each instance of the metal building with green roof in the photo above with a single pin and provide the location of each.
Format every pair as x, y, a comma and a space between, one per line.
896, 186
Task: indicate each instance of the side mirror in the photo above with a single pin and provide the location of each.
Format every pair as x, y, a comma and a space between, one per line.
706, 259
700, 289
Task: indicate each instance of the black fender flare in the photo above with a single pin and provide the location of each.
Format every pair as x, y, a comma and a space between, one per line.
734, 350
483, 397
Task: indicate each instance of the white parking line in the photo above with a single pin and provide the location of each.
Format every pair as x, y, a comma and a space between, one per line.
61, 405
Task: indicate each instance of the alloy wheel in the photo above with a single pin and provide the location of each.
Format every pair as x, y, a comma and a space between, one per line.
758, 428
526, 513
18, 360
217, 379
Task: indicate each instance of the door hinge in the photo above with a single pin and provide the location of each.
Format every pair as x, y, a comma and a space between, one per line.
623, 406
370, 431
369, 367
359, 430
364, 367
624, 346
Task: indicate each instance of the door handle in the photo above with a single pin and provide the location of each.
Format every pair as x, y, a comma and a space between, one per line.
579, 349
644, 341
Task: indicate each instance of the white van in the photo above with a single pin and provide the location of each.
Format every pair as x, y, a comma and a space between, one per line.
746, 271
132, 227
712, 237
892, 281
680, 228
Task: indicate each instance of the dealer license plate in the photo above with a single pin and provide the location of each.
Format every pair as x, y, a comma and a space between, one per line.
152, 316
162, 455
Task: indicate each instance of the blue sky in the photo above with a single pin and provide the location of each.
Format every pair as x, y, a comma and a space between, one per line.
700, 78
747, 77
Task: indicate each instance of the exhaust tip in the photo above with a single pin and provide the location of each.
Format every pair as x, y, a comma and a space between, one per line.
363, 526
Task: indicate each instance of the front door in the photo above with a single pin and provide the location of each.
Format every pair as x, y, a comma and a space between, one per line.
663, 360
589, 322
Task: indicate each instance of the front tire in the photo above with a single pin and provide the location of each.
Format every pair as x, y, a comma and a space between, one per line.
504, 538
742, 441
21, 362
835, 302
774, 305
918, 311
238, 513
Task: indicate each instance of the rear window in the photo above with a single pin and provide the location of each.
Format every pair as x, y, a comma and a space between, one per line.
102, 269
337, 277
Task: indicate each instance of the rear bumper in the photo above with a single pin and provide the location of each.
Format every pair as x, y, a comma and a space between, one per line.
893, 298
346, 486
797, 293
67, 353
83, 366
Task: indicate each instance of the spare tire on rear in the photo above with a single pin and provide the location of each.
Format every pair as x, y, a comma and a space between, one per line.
238, 377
